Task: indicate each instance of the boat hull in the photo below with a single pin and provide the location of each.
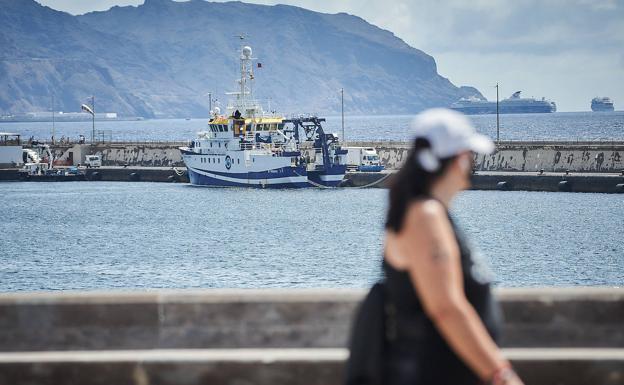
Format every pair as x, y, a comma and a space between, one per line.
332, 177
287, 177
490, 108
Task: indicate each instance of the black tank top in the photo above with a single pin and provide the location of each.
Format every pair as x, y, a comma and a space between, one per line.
416, 352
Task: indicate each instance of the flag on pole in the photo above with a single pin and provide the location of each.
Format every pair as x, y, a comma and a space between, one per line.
86, 108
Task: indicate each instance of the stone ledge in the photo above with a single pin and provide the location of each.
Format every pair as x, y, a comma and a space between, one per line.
276, 318
274, 366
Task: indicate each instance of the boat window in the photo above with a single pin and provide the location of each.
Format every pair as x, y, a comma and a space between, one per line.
248, 127
280, 126
219, 144
219, 160
210, 144
224, 127
273, 126
237, 161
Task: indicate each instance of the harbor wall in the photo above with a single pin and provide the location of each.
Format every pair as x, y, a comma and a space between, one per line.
146, 154
564, 336
514, 181
509, 156
526, 156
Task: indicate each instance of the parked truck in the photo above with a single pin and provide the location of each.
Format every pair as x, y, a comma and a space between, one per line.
93, 161
363, 159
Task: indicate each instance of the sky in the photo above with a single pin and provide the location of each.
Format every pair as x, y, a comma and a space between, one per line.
568, 51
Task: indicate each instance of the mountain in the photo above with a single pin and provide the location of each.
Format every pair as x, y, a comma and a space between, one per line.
162, 58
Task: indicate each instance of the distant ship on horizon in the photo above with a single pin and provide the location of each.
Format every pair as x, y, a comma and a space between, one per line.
602, 104
515, 104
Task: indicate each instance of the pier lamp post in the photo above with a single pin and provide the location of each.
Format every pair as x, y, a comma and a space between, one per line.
342, 113
53, 119
497, 117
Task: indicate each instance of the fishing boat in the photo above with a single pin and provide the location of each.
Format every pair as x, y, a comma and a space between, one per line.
248, 148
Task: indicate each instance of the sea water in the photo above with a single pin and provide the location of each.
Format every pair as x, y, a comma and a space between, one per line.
103, 235
556, 126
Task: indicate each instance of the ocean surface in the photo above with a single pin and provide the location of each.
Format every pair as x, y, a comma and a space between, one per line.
556, 126
103, 235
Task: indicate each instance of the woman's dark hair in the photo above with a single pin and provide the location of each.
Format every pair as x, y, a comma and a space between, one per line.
411, 182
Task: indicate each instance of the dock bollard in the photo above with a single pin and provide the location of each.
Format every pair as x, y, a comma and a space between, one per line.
564, 186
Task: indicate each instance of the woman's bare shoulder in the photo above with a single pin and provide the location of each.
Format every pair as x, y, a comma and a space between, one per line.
426, 211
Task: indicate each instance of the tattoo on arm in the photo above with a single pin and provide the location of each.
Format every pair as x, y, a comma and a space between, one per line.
438, 253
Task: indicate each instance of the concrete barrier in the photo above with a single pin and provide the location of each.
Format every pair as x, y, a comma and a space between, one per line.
275, 336
553, 156
588, 317
274, 367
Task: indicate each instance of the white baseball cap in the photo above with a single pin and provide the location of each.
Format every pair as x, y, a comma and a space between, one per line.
450, 133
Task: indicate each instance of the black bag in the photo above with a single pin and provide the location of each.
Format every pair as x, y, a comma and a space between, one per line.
366, 347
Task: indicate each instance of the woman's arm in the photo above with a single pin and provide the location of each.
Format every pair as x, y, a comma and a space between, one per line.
432, 259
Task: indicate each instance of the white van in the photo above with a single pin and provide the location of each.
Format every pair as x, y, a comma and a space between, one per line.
363, 159
93, 161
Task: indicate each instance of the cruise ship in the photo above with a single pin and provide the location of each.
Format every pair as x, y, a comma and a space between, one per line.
602, 104
515, 104
248, 148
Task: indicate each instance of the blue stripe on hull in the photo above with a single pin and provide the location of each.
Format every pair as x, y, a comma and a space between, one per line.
283, 172
204, 180
315, 176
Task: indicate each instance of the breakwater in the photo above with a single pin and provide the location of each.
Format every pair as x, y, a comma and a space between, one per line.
512, 156
562, 336
516, 156
482, 180
529, 166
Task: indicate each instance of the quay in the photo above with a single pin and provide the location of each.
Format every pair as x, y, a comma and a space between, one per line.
510, 156
564, 336
481, 180
528, 166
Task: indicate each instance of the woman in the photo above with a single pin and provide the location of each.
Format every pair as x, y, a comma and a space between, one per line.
440, 320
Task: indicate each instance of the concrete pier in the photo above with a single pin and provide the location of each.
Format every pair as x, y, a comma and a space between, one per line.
482, 180
528, 166
510, 156
553, 336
